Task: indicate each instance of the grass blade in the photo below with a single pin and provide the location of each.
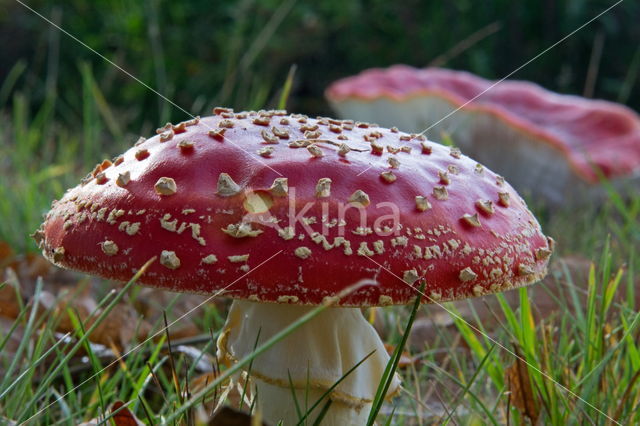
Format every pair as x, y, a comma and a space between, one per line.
392, 365
286, 89
323, 412
47, 381
330, 389
468, 385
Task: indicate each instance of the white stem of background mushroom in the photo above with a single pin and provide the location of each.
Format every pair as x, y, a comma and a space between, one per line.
315, 356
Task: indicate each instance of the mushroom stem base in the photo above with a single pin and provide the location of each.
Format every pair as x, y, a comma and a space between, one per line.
276, 408
311, 359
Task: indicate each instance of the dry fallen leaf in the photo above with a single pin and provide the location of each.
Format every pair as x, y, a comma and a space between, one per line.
7, 255
9, 300
405, 359
228, 416
76, 298
123, 417
121, 326
152, 304
521, 393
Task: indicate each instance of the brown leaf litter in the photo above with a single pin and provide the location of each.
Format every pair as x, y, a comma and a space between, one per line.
130, 321
521, 394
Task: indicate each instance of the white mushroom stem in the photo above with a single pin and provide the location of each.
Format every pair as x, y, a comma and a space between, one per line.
316, 355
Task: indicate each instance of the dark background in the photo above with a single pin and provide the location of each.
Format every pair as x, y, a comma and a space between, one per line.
238, 53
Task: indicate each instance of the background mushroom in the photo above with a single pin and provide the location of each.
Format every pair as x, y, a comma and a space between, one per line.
332, 203
556, 147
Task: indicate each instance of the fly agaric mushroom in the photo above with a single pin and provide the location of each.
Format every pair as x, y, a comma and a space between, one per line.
554, 146
216, 211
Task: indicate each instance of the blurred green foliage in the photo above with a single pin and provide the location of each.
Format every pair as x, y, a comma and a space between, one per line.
237, 53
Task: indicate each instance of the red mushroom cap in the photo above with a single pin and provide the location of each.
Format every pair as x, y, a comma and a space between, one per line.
588, 133
313, 205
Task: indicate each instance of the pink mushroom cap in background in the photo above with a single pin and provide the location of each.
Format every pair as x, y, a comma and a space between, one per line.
554, 146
